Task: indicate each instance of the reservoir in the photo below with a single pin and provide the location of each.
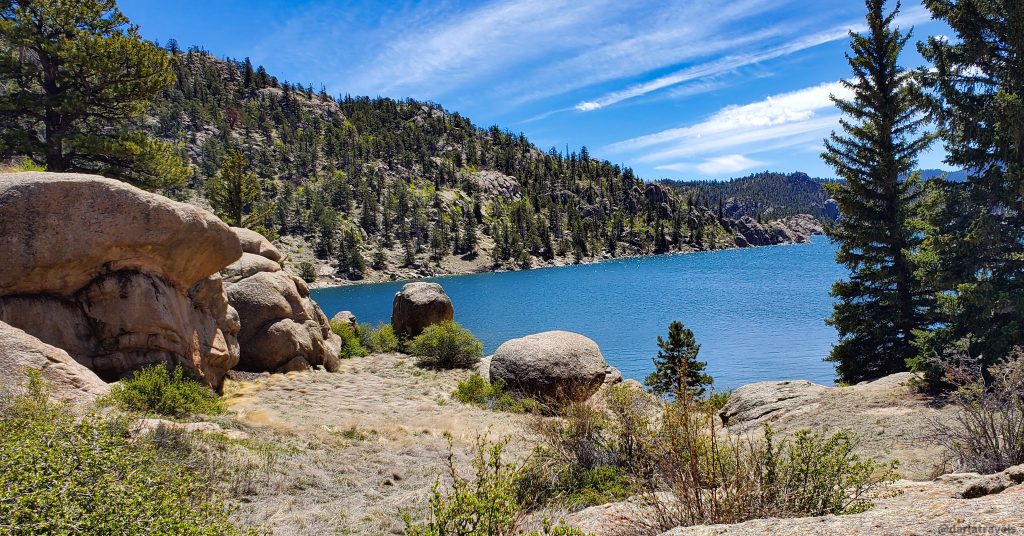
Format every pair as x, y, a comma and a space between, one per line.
758, 313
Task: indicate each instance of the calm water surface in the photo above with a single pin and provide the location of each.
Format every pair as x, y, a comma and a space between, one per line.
758, 313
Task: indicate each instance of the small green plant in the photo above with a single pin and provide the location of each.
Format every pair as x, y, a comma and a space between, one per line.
485, 502
159, 391
717, 400
307, 271
381, 339
351, 345
63, 474
476, 391
446, 345
676, 368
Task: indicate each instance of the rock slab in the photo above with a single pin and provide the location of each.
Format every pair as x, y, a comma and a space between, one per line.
68, 380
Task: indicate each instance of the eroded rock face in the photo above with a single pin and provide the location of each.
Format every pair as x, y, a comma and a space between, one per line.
553, 365
282, 329
117, 277
419, 305
68, 380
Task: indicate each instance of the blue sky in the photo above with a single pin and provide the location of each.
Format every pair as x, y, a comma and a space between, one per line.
683, 89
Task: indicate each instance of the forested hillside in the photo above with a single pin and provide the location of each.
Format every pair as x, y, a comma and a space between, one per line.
378, 184
764, 195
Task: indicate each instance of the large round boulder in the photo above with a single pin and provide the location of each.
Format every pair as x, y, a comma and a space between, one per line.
282, 328
117, 277
419, 305
555, 366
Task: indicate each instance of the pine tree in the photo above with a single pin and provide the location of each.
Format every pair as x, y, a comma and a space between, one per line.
975, 245
882, 303
77, 81
235, 193
676, 369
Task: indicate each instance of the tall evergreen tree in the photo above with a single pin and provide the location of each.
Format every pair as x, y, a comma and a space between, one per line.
235, 193
975, 246
676, 369
882, 303
78, 80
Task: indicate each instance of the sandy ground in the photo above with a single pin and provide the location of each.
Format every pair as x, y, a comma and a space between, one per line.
358, 446
348, 452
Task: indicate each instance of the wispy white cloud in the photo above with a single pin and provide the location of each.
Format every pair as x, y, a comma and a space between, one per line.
731, 163
723, 142
736, 61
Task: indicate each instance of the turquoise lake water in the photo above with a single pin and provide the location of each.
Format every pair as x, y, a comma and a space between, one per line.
758, 313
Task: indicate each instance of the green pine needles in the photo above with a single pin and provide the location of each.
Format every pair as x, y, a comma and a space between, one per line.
79, 80
883, 302
676, 369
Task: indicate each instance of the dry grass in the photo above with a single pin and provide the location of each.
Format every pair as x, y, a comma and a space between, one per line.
357, 446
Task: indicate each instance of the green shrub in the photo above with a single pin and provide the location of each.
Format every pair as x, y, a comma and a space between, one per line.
307, 271
381, 339
476, 391
65, 475
156, 390
484, 503
676, 455
351, 345
446, 345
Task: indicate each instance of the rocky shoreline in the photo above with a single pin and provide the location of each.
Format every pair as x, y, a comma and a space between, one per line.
793, 230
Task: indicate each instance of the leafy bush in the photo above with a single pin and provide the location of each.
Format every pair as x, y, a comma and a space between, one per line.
446, 345
381, 339
156, 390
484, 503
987, 434
476, 391
351, 345
65, 475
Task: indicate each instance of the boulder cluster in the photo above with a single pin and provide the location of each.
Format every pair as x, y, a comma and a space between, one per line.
282, 329
99, 279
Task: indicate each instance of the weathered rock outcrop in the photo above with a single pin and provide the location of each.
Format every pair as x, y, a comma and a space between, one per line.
890, 419
418, 305
791, 230
556, 366
117, 277
68, 380
757, 402
282, 329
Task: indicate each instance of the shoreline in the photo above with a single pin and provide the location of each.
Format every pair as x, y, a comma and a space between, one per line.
320, 284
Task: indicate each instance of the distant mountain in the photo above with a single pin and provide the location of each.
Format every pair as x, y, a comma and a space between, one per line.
770, 195
953, 176
766, 195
